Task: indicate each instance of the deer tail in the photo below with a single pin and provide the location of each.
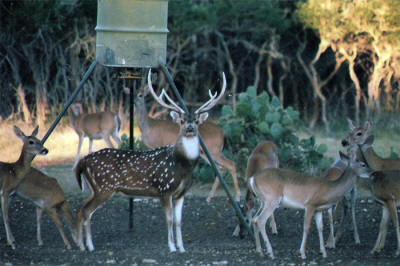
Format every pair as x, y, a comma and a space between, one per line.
79, 170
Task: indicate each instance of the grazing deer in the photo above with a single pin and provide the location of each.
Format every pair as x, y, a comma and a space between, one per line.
47, 195
11, 174
94, 126
276, 187
264, 155
385, 187
163, 173
157, 133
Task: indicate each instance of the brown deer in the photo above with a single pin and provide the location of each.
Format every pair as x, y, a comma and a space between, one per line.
358, 135
47, 195
276, 187
100, 125
163, 173
157, 133
11, 174
264, 155
385, 187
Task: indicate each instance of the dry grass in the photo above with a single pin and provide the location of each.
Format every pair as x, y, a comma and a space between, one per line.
62, 143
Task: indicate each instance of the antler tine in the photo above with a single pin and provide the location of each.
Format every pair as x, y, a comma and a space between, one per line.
163, 93
213, 98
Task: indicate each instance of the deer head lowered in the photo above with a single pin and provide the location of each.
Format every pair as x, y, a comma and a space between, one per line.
163, 173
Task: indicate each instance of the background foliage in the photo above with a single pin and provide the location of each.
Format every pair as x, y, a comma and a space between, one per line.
314, 62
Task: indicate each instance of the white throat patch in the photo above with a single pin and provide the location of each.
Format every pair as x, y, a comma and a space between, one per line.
191, 147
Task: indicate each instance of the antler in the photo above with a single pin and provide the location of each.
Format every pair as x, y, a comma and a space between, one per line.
213, 98
163, 93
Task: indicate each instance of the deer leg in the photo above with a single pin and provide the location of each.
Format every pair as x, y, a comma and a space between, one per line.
272, 224
213, 189
80, 142
4, 207
353, 214
84, 215
395, 220
108, 141
39, 214
320, 227
178, 205
309, 212
66, 213
380, 241
53, 215
256, 229
223, 163
116, 139
345, 208
331, 240
90, 145
228, 164
167, 205
260, 221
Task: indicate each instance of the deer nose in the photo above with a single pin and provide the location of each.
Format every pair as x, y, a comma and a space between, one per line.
44, 151
345, 143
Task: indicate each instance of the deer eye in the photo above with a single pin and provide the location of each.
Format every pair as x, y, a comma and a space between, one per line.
358, 134
31, 142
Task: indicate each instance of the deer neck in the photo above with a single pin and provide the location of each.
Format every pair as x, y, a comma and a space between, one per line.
370, 157
187, 148
23, 164
142, 118
345, 182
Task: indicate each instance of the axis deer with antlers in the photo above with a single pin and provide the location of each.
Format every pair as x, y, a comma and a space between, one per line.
47, 195
11, 174
163, 173
157, 133
102, 125
276, 187
264, 155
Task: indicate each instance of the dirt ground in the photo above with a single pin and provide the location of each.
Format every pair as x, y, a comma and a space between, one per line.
207, 235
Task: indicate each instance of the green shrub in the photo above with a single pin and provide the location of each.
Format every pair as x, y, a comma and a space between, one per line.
137, 143
259, 118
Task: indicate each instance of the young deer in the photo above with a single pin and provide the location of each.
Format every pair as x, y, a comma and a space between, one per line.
385, 187
358, 135
94, 126
276, 187
264, 155
163, 173
157, 133
11, 174
47, 195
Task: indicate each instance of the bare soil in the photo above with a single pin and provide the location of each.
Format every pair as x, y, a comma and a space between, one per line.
207, 235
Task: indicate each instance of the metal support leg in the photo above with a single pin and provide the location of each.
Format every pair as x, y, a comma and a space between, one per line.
70, 100
131, 146
211, 160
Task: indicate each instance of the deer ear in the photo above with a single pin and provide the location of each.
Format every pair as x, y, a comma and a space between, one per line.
351, 125
18, 132
203, 117
342, 155
35, 131
175, 116
367, 125
370, 140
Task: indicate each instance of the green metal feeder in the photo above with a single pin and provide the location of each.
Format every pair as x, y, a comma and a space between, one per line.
131, 33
